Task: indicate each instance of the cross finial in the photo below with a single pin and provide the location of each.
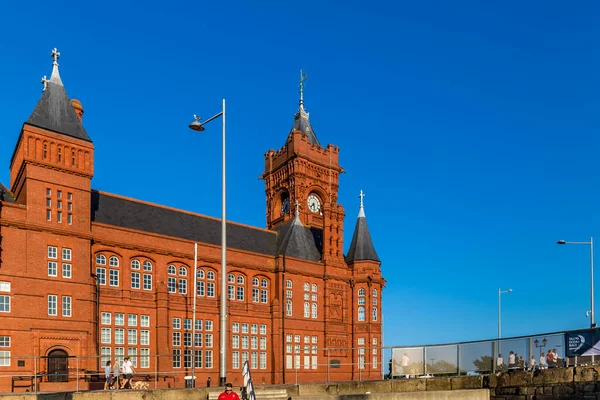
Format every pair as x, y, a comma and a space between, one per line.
361, 210
297, 212
302, 79
44, 82
55, 54
361, 195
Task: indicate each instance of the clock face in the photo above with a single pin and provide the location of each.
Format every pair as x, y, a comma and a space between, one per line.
285, 206
314, 204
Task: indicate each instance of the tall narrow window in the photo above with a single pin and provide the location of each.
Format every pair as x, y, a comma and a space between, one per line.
66, 306
73, 157
361, 313
288, 308
52, 306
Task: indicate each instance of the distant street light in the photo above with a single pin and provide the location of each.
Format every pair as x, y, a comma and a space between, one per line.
499, 312
540, 345
591, 244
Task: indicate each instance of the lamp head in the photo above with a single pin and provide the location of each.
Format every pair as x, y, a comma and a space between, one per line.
509, 290
561, 242
196, 125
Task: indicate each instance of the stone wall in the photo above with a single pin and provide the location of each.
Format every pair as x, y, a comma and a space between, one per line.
550, 384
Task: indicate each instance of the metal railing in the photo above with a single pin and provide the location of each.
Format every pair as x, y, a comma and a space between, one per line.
486, 356
315, 365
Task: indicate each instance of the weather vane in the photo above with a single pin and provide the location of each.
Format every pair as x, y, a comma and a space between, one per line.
302, 79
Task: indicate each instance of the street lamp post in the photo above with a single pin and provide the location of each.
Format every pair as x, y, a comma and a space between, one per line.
540, 345
500, 292
199, 126
591, 244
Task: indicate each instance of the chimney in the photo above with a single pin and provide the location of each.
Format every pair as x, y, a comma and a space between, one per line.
78, 108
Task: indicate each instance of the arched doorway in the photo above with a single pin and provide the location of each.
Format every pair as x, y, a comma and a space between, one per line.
58, 366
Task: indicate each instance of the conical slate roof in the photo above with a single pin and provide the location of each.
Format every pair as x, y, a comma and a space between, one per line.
297, 241
302, 124
54, 110
361, 247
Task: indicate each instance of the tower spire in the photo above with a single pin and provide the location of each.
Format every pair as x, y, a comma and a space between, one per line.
55, 77
361, 211
301, 122
361, 248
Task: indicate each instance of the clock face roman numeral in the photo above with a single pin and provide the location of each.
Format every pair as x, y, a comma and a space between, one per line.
314, 204
285, 206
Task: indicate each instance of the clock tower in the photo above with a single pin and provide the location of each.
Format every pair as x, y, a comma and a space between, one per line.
304, 171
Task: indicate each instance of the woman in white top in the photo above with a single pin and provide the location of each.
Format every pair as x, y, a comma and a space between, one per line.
511, 360
532, 363
543, 364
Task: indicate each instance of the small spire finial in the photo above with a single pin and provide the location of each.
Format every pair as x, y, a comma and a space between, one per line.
297, 212
361, 212
302, 79
44, 82
55, 54
55, 77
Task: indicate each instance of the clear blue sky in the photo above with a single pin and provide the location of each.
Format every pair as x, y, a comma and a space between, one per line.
472, 127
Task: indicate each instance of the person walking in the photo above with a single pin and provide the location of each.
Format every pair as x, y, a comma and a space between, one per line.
532, 363
108, 376
404, 361
229, 394
543, 361
127, 373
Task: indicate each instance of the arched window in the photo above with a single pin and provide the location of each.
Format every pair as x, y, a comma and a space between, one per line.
113, 261
374, 314
135, 264
172, 270
288, 284
200, 274
182, 271
254, 281
306, 286
58, 366
147, 266
288, 308
374, 292
314, 310
230, 278
314, 287
361, 292
307, 310
100, 259
263, 283
210, 276
240, 280
361, 313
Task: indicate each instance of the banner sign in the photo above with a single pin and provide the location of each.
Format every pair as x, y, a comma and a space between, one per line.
580, 341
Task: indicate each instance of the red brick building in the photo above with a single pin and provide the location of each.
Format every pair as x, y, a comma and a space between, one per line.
87, 276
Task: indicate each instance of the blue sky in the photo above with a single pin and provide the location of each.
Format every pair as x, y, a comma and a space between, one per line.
471, 126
